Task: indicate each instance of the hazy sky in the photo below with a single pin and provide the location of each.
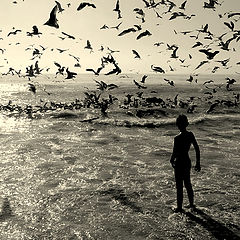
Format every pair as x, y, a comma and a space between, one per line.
85, 25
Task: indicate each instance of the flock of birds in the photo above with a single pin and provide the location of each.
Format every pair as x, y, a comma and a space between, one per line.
205, 40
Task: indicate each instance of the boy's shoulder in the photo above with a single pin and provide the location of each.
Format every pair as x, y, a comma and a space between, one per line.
187, 133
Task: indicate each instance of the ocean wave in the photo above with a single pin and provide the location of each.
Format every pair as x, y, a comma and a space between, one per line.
169, 121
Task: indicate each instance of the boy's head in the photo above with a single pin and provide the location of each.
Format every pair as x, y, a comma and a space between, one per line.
182, 122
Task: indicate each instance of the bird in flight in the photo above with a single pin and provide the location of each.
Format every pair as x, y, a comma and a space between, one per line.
34, 32
117, 9
95, 72
139, 85
89, 46
157, 69
52, 21
143, 34
170, 82
127, 31
210, 55
136, 54
70, 75
144, 77
67, 35
85, 4
32, 88
14, 32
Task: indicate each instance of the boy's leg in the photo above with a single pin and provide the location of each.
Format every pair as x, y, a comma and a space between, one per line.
179, 187
188, 186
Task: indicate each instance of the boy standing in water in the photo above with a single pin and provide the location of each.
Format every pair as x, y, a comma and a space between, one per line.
182, 163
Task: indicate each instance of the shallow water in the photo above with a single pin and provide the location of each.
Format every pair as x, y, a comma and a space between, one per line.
111, 179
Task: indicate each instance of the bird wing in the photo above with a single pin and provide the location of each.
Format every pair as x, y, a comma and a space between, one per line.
146, 33
57, 64
112, 86
52, 21
136, 54
84, 4
127, 31
81, 6
70, 36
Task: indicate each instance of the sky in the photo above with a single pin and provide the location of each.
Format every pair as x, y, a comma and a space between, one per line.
85, 25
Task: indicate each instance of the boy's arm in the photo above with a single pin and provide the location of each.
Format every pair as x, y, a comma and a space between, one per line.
173, 156
197, 150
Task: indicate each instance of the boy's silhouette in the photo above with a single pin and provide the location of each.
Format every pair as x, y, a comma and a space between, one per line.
182, 163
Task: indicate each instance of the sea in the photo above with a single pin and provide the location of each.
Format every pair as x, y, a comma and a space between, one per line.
72, 169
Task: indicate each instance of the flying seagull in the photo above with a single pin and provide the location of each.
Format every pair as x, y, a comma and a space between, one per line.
136, 54
70, 75
85, 4
157, 69
210, 55
117, 9
52, 21
143, 34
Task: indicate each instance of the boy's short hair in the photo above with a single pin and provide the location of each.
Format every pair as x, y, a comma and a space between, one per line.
182, 121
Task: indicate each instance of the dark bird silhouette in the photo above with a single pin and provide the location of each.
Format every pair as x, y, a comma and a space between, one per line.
140, 12
183, 5
143, 34
117, 9
60, 68
117, 27
67, 35
170, 82
157, 69
210, 4
89, 46
201, 64
95, 72
158, 44
224, 62
213, 106
136, 54
177, 14
116, 70
225, 45
14, 32
215, 69
75, 57
104, 27
70, 75
34, 32
230, 25
207, 82
197, 44
52, 21
139, 85
104, 86
190, 79
127, 31
32, 88
61, 50
111, 51
85, 4
233, 14
174, 53
210, 55
144, 77
229, 83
